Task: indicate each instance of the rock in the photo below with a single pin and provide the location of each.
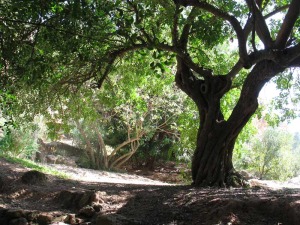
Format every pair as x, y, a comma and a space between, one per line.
106, 220
246, 175
79, 221
97, 207
59, 218
78, 199
70, 219
31, 215
87, 211
34, 177
44, 219
69, 161
51, 159
19, 221
15, 213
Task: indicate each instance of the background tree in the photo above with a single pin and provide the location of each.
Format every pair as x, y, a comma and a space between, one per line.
59, 45
270, 155
127, 114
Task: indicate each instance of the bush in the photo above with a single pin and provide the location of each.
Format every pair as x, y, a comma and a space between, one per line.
269, 155
18, 143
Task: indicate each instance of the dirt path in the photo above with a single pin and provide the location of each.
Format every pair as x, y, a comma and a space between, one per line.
83, 201
89, 175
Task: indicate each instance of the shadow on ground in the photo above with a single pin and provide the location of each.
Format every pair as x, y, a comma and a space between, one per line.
112, 204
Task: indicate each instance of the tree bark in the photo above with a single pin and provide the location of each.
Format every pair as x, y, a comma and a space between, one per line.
212, 161
89, 148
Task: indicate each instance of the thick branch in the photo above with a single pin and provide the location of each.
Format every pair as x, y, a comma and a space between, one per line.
235, 70
175, 36
249, 24
289, 57
89, 147
260, 25
186, 58
112, 56
186, 29
124, 158
295, 62
120, 146
102, 147
286, 58
288, 24
278, 10
224, 15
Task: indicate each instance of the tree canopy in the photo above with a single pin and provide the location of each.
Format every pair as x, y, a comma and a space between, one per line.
215, 49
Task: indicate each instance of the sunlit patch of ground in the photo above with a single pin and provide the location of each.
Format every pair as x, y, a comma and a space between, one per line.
90, 175
293, 183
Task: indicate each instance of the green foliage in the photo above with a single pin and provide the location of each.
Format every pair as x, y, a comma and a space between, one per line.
18, 143
188, 124
269, 155
32, 165
132, 99
246, 135
54, 53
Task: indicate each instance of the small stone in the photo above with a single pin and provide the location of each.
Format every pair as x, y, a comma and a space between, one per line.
87, 211
70, 219
18, 221
106, 220
44, 219
79, 221
15, 213
97, 207
33, 177
31, 216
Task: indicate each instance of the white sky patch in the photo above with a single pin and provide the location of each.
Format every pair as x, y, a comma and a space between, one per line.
269, 93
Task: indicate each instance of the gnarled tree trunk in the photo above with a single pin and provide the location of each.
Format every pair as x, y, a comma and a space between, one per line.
212, 160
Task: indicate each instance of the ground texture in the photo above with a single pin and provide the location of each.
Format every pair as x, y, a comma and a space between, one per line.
103, 198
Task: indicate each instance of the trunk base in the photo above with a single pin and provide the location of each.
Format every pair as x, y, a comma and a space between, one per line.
233, 179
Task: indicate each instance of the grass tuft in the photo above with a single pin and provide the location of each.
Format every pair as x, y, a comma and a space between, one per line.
32, 165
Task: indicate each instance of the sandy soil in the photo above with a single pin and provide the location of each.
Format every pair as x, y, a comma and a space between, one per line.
89, 175
139, 200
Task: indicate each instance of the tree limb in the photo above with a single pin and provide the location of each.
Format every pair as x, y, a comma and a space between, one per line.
112, 56
259, 24
187, 27
235, 70
290, 57
175, 36
288, 24
249, 24
224, 15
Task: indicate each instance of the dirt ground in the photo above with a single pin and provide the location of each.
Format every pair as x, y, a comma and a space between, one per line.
131, 199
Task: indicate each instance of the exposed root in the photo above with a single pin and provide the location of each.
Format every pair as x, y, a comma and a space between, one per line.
235, 179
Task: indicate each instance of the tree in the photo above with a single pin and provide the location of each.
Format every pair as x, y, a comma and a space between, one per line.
63, 44
131, 116
269, 155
